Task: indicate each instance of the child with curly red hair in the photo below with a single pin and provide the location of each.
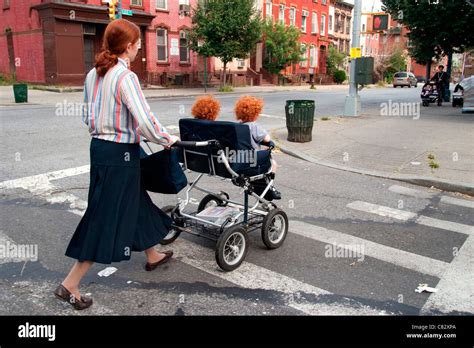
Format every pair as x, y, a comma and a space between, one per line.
247, 110
206, 108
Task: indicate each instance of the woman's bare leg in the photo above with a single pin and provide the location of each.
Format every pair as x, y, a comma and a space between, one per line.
152, 255
71, 282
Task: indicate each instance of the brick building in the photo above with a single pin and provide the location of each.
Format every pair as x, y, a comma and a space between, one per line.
55, 41
311, 16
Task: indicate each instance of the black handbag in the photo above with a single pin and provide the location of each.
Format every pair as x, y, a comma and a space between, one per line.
161, 172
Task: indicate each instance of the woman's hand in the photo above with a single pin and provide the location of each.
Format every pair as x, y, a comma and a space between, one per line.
173, 139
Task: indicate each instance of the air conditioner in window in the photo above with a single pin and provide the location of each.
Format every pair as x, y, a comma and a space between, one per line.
182, 35
241, 63
184, 10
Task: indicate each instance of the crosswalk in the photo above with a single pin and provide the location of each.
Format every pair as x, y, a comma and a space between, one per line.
456, 279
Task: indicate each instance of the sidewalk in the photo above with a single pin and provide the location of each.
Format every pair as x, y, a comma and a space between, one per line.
395, 147
53, 95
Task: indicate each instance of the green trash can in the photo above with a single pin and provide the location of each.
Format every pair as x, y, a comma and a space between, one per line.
20, 90
299, 120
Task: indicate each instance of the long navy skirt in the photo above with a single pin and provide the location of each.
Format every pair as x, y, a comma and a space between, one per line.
120, 217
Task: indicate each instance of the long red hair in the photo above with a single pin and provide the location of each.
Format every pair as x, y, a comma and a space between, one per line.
117, 36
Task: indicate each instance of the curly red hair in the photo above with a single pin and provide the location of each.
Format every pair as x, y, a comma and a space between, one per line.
248, 108
206, 108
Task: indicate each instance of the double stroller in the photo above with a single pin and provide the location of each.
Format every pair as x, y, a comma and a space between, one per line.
223, 150
429, 93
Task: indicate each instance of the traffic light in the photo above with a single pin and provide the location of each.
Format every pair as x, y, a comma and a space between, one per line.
112, 10
380, 22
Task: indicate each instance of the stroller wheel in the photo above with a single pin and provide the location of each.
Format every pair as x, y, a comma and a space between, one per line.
173, 232
274, 228
210, 201
231, 248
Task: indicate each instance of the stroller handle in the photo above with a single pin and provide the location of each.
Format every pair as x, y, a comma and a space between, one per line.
180, 143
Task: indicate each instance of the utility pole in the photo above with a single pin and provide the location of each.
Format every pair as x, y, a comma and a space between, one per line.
352, 104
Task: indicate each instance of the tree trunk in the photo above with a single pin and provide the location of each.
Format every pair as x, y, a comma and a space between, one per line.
225, 74
428, 71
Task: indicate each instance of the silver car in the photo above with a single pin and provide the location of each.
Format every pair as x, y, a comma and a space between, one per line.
403, 79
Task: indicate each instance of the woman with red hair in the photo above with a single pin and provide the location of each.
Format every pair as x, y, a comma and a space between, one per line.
120, 217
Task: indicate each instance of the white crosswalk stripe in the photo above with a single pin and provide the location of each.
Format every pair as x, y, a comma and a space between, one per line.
427, 195
385, 253
457, 201
405, 216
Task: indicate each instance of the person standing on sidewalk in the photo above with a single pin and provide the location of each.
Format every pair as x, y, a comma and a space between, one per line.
120, 217
441, 79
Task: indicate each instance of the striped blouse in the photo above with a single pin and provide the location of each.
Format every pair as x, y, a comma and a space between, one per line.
116, 109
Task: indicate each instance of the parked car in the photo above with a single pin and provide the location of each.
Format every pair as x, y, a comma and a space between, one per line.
404, 78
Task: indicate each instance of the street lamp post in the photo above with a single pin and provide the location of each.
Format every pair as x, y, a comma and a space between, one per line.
352, 104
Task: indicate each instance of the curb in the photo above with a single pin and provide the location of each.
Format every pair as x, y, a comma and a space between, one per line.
441, 184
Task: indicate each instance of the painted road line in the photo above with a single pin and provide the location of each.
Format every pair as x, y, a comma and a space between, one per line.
456, 288
274, 116
40, 186
410, 192
37, 182
427, 195
382, 210
405, 216
251, 276
457, 201
381, 252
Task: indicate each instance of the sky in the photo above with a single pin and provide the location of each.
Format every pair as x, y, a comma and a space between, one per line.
368, 4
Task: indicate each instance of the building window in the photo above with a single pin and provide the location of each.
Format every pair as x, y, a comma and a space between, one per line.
162, 4
304, 18
348, 25
304, 56
6, 4
313, 57
183, 47
162, 44
323, 25
281, 14
293, 16
324, 2
330, 22
136, 3
314, 23
268, 9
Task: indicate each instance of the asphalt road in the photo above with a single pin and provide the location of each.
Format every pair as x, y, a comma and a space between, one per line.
409, 235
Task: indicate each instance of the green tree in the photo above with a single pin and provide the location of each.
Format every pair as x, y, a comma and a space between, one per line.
282, 45
334, 60
437, 27
225, 29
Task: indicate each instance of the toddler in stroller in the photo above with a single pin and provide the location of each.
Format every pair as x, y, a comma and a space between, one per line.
429, 93
247, 111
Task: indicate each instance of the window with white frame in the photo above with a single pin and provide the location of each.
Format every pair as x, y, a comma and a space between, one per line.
183, 47
184, 2
313, 57
162, 4
304, 56
281, 14
304, 19
330, 22
162, 44
314, 23
136, 2
268, 8
293, 16
323, 25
